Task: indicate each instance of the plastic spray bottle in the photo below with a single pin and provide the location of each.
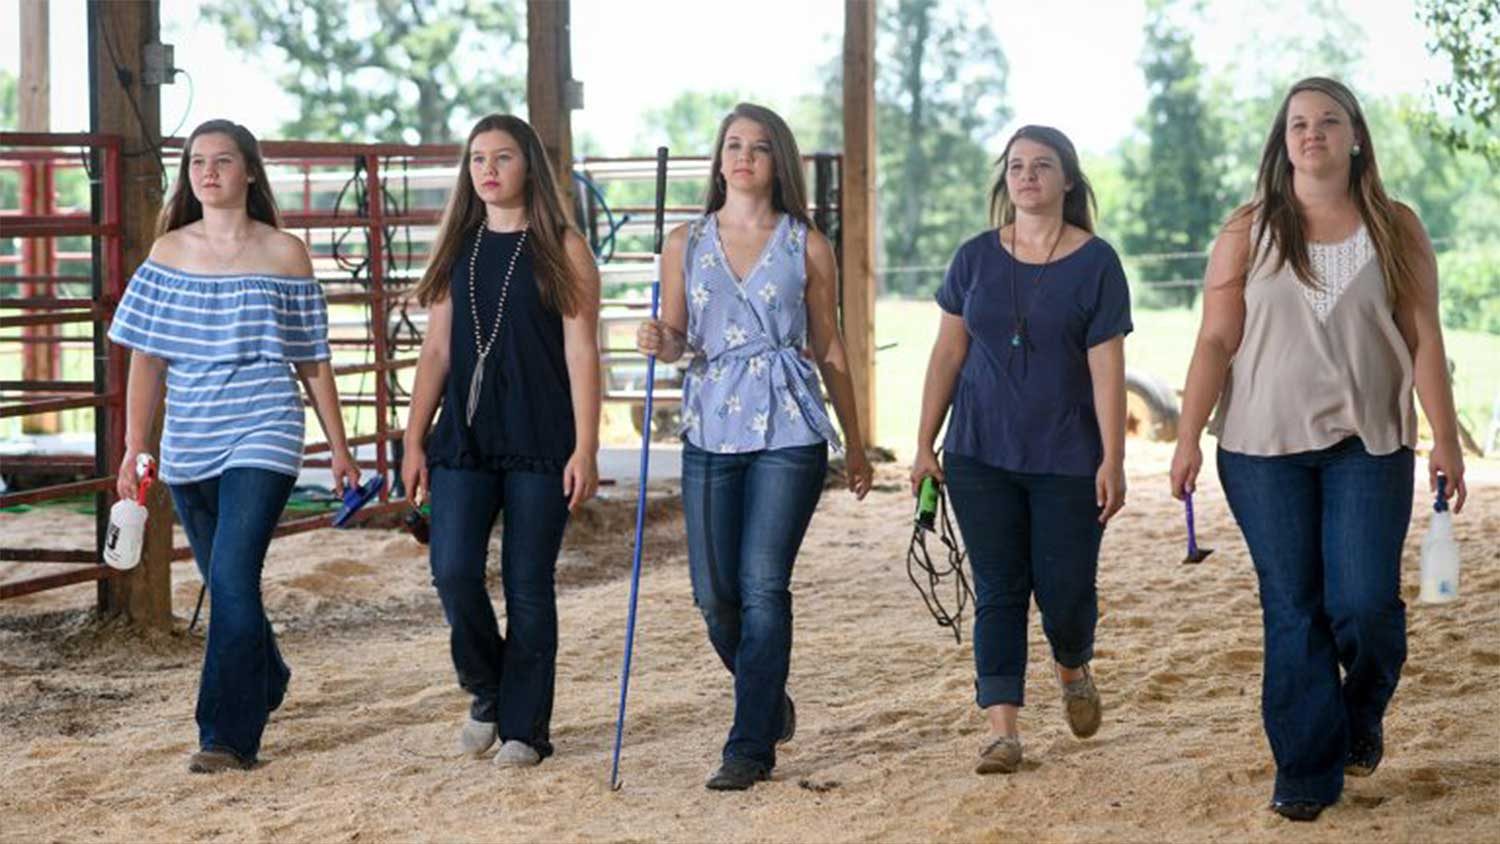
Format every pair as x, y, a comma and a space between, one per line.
1440, 553
127, 519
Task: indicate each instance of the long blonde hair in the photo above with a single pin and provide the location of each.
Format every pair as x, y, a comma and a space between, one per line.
546, 220
1280, 217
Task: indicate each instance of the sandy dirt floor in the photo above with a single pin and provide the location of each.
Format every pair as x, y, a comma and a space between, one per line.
96, 718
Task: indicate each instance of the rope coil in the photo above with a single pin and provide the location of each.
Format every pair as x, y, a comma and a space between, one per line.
938, 578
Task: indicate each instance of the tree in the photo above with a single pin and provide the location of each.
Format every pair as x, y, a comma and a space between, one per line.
940, 93
687, 126
416, 71
1272, 56
1467, 33
9, 101
1176, 179
940, 100
687, 123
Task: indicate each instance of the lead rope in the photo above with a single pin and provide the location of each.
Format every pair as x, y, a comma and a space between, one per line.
918, 557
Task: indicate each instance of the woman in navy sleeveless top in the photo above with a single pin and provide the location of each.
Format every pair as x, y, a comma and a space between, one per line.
1030, 354
511, 355
746, 289
226, 314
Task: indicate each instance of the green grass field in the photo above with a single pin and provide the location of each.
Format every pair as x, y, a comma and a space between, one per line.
1162, 345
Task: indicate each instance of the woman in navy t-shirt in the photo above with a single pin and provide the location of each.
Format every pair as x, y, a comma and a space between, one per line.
1031, 356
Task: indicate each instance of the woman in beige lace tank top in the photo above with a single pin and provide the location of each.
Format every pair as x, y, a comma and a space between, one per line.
1320, 317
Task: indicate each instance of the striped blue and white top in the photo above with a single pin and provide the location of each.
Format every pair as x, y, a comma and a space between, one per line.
229, 342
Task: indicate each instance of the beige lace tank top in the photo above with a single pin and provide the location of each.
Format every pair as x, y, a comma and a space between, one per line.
1317, 365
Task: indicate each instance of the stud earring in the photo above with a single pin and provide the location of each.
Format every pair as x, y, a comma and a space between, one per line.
1354, 150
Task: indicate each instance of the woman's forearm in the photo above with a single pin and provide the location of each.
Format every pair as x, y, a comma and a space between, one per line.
1205, 381
937, 395
317, 378
426, 393
1107, 371
1434, 391
143, 392
583, 384
834, 367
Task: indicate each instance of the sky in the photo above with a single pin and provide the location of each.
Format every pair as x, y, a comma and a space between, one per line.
1073, 64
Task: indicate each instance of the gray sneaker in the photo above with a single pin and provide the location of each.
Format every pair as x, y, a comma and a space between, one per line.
517, 754
1081, 700
213, 760
1000, 756
475, 737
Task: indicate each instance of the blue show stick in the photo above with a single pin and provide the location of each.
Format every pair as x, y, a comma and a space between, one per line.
640, 501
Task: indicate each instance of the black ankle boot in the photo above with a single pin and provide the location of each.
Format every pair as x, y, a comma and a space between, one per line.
1365, 753
1297, 810
737, 775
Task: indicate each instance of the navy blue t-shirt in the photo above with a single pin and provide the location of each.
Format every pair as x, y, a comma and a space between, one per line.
1029, 407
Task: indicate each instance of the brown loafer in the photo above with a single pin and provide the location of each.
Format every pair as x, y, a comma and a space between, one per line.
1081, 701
212, 760
1000, 756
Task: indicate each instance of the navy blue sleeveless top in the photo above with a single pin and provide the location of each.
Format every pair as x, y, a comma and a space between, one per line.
524, 420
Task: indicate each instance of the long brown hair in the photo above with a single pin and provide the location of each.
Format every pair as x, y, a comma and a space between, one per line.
1079, 204
789, 185
547, 224
1280, 215
183, 207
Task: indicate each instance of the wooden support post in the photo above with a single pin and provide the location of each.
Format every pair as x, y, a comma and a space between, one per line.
121, 105
39, 361
35, 82
857, 206
549, 76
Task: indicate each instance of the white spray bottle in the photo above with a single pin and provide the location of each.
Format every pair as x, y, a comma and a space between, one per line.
1440, 553
127, 520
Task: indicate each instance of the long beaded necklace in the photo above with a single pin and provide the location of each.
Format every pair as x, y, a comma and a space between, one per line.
484, 346
1020, 330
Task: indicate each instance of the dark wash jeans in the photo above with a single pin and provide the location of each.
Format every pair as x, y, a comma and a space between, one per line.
1325, 530
228, 521
512, 677
1026, 534
746, 515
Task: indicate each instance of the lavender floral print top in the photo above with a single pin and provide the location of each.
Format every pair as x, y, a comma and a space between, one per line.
749, 386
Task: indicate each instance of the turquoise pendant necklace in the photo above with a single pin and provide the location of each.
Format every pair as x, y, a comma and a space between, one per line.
1019, 331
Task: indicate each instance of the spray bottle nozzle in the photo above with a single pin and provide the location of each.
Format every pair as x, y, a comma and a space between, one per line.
145, 472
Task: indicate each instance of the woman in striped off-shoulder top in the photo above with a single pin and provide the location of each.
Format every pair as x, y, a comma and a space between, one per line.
222, 312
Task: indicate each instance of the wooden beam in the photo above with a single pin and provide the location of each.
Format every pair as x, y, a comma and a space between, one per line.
35, 81
119, 104
857, 207
549, 74
39, 361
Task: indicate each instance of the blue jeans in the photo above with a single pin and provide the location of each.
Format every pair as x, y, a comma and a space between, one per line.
1325, 530
511, 678
746, 516
228, 521
1026, 534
